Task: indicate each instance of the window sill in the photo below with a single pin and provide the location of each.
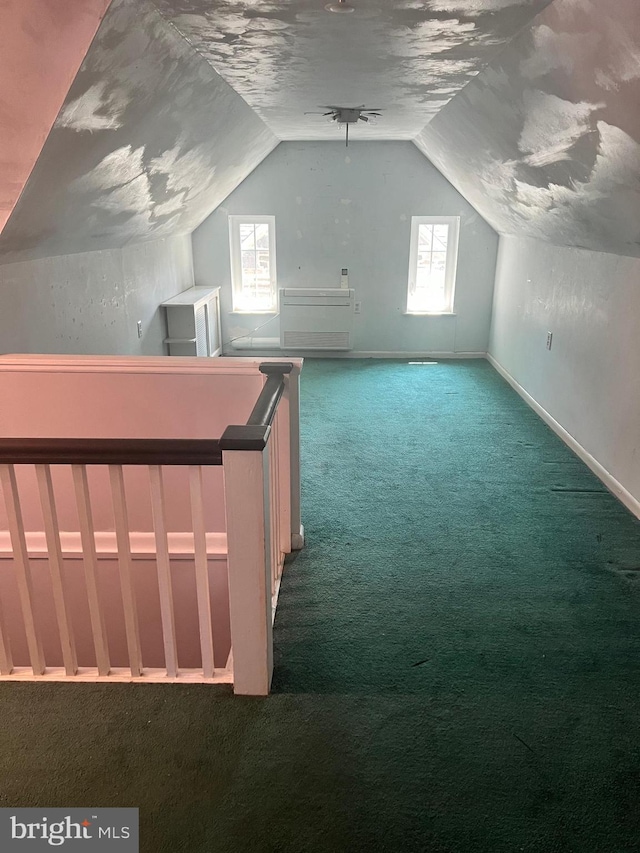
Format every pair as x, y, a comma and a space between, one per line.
430, 313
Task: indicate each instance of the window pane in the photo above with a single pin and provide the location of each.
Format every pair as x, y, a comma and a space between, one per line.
248, 261
438, 262
425, 233
440, 237
430, 282
262, 236
253, 265
247, 236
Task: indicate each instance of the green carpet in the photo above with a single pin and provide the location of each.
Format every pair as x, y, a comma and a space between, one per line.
457, 652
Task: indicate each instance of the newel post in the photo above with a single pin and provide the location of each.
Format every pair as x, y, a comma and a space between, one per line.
245, 461
246, 477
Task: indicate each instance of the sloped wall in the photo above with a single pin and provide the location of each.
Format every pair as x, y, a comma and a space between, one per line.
546, 142
91, 302
148, 142
351, 207
43, 44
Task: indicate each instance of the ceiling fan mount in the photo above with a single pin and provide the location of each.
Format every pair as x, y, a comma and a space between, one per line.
341, 6
349, 115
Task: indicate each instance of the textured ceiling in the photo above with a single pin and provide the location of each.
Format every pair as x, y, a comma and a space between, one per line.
530, 109
546, 142
409, 57
148, 142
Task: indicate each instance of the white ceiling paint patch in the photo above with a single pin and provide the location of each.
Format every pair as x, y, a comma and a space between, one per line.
614, 182
476, 7
96, 109
433, 37
118, 168
552, 127
185, 169
553, 50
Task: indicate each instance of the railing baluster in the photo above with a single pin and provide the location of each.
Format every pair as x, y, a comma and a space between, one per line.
90, 561
6, 660
202, 570
164, 570
126, 571
23, 569
54, 555
275, 467
273, 517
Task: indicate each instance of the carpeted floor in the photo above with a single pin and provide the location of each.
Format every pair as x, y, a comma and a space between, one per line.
457, 653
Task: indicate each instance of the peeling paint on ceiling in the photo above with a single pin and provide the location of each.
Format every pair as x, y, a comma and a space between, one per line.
148, 142
546, 141
409, 57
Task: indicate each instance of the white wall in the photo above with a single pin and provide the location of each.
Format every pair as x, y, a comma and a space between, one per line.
589, 381
91, 302
338, 207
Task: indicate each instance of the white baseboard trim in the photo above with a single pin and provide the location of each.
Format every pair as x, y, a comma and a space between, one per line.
614, 486
361, 354
297, 540
431, 354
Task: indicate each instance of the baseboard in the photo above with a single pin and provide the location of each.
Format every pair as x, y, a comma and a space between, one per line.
431, 354
297, 540
357, 354
614, 486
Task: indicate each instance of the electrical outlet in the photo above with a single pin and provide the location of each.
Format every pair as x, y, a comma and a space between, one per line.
549, 339
357, 307
139, 328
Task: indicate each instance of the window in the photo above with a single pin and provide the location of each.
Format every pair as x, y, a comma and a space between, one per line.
253, 263
432, 264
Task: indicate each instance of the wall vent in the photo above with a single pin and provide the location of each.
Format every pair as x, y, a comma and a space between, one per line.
316, 340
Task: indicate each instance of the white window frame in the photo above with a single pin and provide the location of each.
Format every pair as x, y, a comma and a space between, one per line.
240, 304
451, 261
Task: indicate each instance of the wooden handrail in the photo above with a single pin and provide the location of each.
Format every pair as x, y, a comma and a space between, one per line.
255, 433
156, 451
267, 403
110, 451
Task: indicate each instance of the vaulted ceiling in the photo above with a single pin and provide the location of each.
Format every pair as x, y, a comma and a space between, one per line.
409, 57
529, 107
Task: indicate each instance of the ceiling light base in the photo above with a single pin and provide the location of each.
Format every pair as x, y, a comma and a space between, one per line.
341, 6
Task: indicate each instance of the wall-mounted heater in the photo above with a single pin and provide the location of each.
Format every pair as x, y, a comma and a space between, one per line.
316, 318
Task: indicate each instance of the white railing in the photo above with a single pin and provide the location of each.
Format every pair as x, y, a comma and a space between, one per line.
47, 580
95, 604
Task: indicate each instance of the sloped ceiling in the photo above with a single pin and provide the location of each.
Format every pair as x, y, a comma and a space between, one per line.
149, 140
43, 44
546, 142
529, 108
409, 57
